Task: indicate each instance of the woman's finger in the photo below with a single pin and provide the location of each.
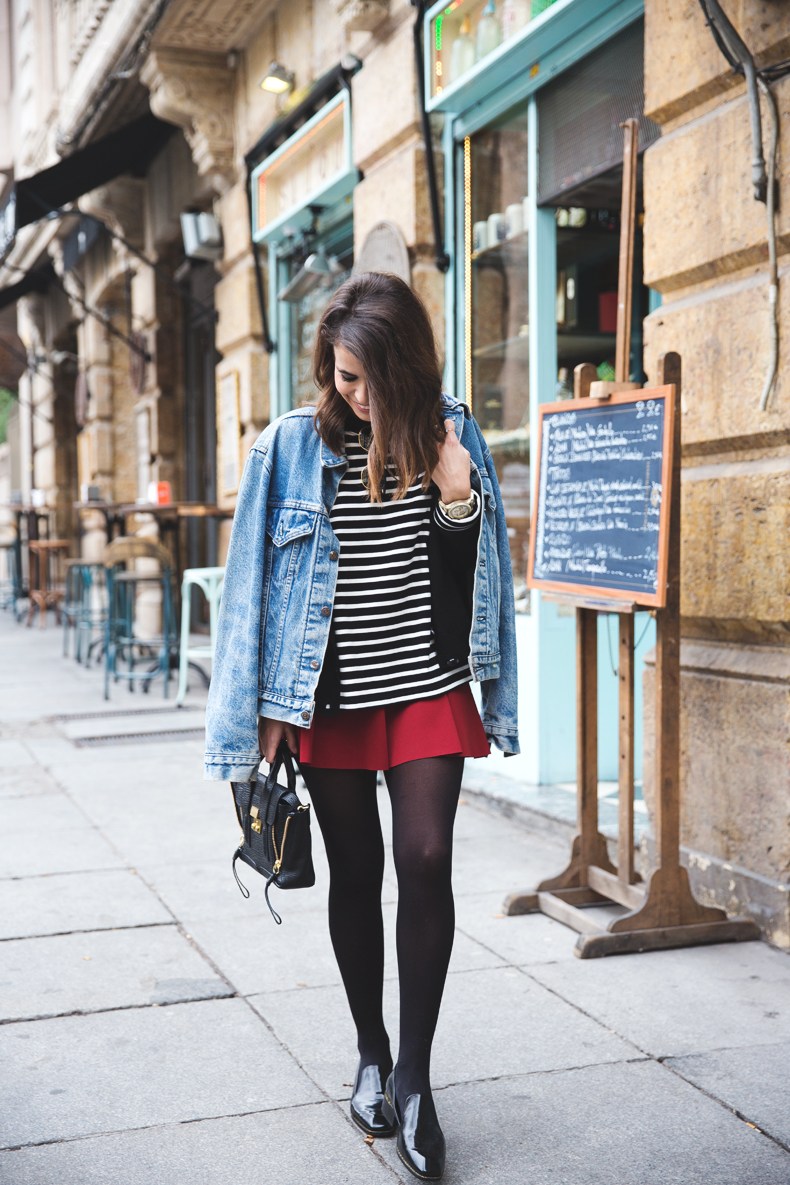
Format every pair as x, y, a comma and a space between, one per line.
449, 427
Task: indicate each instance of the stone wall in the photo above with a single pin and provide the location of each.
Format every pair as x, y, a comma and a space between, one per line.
706, 252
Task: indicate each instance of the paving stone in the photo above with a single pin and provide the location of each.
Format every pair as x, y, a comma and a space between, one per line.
499, 864
20, 780
77, 901
295, 1147
753, 1081
113, 1071
524, 940
683, 1001
104, 969
626, 1124
193, 821
259, 956
492, 1023
14, 753
206, 890
57, 814
39, 851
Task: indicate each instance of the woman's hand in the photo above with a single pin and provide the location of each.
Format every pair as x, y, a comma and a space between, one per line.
452, 473
271, 732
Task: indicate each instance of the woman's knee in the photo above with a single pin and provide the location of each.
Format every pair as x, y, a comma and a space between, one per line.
427, 861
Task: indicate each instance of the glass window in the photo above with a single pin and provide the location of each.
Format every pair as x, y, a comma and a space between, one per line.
496, 320
331, 252
467, 31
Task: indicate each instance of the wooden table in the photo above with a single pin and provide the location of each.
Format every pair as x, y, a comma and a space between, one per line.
169, 515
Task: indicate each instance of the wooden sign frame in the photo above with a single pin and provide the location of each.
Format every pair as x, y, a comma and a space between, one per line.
659, 598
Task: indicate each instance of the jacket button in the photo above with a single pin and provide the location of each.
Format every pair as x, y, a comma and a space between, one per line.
333, 555
325, 612
305, 715
315, 664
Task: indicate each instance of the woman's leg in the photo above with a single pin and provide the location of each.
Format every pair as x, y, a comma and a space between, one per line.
424, 796
347, 812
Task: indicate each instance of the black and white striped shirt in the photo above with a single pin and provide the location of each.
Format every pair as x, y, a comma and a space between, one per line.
382, 609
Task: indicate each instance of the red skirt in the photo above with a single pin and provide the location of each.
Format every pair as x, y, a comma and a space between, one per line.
378, 738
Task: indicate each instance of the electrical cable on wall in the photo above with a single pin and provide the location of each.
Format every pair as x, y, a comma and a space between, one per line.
741, 60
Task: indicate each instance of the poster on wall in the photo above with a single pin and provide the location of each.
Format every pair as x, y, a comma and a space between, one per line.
229, 433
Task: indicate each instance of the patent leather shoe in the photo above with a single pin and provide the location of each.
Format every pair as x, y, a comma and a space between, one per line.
367, 1101
421, 1144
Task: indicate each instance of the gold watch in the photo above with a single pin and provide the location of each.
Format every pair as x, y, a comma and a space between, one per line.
461, 508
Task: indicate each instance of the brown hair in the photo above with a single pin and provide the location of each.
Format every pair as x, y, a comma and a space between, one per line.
379, 320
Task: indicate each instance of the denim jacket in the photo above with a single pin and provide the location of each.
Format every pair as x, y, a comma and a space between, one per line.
279, 587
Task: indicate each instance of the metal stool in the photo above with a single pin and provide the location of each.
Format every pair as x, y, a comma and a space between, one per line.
10, 583
121, 644
84, 607
210, 580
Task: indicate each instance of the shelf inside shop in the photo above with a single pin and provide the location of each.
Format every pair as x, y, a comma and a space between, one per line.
510, 251
515, 349
508, 442
584, 347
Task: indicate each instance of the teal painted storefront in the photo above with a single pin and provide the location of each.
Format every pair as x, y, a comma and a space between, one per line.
509, 80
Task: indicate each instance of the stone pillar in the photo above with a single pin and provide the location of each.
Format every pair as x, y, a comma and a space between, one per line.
705, 252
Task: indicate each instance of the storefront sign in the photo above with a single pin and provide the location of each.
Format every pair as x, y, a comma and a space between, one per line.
313, 167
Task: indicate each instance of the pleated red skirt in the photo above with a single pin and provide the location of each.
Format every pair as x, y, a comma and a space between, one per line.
378, 738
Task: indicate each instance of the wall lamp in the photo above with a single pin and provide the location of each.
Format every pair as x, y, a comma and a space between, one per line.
277, 79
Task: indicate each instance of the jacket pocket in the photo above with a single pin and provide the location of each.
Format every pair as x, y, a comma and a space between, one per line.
284, 524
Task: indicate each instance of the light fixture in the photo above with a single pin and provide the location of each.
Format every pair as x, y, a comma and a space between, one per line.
315, 270
277, 79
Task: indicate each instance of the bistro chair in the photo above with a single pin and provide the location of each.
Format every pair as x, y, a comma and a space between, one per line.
45, 593
126, 654
210, 580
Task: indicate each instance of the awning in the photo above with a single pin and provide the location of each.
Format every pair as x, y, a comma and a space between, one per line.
129, 150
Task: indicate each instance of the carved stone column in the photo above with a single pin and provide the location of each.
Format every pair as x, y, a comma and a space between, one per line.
194, 89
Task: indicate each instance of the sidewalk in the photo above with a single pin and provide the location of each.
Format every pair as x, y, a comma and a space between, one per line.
161, 1029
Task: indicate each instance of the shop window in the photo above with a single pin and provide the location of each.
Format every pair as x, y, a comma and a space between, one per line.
496, 322
580, 175
333, 243
469, 31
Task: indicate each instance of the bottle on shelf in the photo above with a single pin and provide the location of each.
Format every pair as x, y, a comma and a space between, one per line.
489, 31
462, 57
564, 387
515, 15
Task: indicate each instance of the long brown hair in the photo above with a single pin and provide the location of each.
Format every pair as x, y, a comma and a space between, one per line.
379, 320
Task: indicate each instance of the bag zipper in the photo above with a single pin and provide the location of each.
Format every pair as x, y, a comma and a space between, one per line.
279, 855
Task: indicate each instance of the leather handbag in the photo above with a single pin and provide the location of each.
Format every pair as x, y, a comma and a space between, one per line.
275, 827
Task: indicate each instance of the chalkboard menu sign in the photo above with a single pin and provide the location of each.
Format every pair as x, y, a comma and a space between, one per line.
600, 519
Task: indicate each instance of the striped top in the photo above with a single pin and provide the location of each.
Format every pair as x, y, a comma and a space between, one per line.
382, 608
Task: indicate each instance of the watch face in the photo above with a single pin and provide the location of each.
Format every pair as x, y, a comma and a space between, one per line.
460, 512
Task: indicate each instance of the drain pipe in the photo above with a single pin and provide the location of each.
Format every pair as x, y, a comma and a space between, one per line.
721, 24
737, 54
773, 277
442, 259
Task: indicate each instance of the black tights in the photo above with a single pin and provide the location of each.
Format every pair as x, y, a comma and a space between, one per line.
424, 798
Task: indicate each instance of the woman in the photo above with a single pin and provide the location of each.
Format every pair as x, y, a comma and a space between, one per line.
368, 582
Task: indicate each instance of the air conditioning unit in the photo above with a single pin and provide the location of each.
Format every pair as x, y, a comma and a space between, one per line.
202, 236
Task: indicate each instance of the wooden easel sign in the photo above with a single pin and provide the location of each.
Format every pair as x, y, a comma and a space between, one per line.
600, 523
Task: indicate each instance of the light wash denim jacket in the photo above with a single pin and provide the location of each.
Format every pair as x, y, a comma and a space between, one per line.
280, 582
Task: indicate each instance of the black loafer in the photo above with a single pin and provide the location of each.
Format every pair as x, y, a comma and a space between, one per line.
367, 1102
421, 1144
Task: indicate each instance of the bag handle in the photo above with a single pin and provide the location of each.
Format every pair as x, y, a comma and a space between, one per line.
283, 757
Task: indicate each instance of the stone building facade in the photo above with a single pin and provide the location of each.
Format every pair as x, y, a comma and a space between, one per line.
706, 252
82, 69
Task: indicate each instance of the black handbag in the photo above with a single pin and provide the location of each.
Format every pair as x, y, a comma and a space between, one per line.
276, 830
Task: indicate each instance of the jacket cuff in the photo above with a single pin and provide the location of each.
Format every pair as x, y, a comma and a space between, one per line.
223, 768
